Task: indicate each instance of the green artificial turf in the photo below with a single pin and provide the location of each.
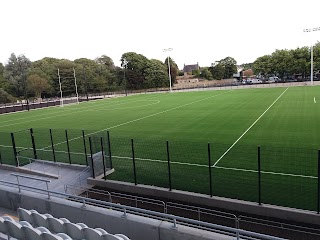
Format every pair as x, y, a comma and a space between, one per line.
284, 122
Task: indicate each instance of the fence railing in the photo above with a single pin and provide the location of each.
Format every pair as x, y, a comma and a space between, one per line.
262, 174
175, 220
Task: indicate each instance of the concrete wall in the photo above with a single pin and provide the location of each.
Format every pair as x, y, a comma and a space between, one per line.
215, 202
135, 227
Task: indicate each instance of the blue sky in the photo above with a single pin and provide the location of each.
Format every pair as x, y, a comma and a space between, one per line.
201, 31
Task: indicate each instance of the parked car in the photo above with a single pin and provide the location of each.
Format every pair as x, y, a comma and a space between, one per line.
274, 79
254, 81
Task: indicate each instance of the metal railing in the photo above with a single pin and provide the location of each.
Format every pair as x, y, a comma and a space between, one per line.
199, 213
110, 196
167, 217
32, 178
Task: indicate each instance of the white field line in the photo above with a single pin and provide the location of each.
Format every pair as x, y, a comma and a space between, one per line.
226, 168
196, 165
54, 114
314, 100
5, 146
225, 153
144, 105
139, 119
273, 173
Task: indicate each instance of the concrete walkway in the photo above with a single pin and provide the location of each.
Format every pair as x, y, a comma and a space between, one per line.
58, 174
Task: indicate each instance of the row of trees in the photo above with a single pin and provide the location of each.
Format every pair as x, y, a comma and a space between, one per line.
285, 63
21, 78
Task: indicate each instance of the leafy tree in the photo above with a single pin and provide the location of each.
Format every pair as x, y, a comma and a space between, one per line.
37, 85
156, 75
205, 73
263, 65
105, 60
15, 72
5, 97
135, 65
217, 71
229, 65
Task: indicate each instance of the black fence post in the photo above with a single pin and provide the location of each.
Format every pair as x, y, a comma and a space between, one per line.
85, 147
109, 148
68, 146
259, 175
14, 149
1, 158
209, 162
102, 153
318, 207
134, 163
91, 154
33, 144
169, 167
52, 146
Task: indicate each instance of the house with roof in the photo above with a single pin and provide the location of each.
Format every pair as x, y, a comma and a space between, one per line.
187, 69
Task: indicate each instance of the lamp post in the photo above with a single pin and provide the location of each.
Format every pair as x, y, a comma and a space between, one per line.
125, 62
168, 50
311, 51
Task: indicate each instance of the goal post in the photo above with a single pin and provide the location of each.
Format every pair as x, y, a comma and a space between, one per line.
68, 100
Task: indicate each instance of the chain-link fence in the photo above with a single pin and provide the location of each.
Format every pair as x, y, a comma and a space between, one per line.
262, 174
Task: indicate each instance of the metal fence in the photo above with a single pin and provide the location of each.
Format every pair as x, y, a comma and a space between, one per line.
262, 174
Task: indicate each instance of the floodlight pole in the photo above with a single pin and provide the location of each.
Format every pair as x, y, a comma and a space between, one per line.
167, 50
311, 51
75, 84
61, 98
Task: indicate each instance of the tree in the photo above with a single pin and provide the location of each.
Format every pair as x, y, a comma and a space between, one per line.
37, 85
105, 60
156, 75
135, 65
15, 72
229, 65
217, 71
205, 73
5, 97
263, 65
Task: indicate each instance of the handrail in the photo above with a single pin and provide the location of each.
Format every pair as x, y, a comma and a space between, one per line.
33, 178
173, 218
200, 210
280, 225
119, 195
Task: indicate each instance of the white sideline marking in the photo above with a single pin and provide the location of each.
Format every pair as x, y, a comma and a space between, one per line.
138, 119
273, 173
5, 146
193, 164
226, 168
314, 99
54, 114
249, 128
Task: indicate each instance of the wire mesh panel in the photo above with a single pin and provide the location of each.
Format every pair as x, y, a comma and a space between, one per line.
235, 183
121, 160
289, 177
189, 167
7, 155
151, 162
235, 172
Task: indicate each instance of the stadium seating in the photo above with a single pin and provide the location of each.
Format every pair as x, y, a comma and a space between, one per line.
45, 226
36, 226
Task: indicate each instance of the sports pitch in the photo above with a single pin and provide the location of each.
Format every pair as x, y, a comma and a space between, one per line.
283, 121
